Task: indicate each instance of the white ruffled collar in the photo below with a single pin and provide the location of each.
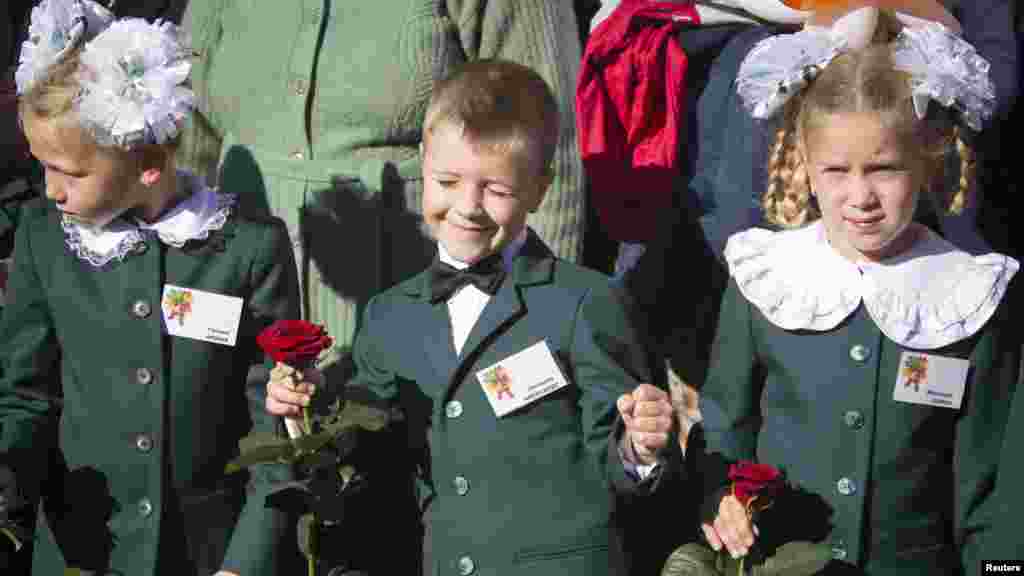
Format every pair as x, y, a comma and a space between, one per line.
930, 296
205, 210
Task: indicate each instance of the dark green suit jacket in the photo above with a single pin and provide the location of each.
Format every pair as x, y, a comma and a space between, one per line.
531, 492
898, 488
131, 468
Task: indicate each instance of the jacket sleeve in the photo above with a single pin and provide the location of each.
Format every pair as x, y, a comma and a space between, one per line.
995, 370
542, 35
29, 361
275, 296
729, 400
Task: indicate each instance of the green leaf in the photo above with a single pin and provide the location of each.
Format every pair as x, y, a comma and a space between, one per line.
265, 448
262, 452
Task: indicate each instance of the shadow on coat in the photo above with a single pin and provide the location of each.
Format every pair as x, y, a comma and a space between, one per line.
77, 506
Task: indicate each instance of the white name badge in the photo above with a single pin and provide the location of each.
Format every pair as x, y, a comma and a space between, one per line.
931, 380
201, 315
521, 378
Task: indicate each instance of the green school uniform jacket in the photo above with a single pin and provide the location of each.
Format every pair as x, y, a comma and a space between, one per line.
901, 488
530, 492
131, 470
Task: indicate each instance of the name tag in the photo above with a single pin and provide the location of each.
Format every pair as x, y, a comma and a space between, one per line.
521, 379
201, 315
931, 380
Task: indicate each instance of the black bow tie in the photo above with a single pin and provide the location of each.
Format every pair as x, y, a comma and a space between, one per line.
445, 279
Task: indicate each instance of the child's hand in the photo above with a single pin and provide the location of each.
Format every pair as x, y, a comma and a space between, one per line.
648, 416
732, 528
288, 391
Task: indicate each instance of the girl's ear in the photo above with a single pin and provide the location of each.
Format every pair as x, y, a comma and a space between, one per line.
151, 176
153, 161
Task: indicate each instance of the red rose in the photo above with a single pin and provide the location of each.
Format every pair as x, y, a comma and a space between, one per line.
296, 343
750, 480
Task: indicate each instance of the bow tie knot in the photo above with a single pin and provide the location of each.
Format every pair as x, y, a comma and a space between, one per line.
445, 279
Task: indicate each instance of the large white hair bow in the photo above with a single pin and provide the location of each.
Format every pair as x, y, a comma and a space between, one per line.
946, 69
55, 28
943, 67
132, 78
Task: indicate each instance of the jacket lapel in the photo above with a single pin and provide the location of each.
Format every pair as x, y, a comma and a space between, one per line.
439, 348
533, 265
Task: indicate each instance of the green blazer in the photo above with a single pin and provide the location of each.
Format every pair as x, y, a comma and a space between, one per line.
528, 493
131, 469
905, 489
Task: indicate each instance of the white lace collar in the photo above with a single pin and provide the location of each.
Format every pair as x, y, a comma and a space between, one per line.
930, 296
203, 211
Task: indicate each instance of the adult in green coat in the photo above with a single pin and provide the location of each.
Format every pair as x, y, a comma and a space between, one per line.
315, 108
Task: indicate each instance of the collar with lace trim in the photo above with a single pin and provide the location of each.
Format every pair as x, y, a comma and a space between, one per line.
928, 297
204, 211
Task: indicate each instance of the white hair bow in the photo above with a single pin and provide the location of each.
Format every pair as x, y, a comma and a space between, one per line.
55, 28
943, 67
132, 78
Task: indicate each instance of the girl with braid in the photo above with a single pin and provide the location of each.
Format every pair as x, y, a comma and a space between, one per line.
822, 321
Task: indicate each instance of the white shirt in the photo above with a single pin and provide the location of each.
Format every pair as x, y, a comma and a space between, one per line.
468, 302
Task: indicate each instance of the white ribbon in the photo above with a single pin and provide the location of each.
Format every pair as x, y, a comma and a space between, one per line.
132, 83
55, 28
943, 67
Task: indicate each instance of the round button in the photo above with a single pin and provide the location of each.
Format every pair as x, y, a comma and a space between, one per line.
854, 419
144, 443
298, 155
453, 409
300, 87
860, 353
466, 566
846, 487
316, 14
461, 485
145, 507
143, 376
141, 309
838, 553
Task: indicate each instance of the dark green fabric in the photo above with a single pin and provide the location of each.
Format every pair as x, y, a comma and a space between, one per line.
540, 477
70, 331
923, 475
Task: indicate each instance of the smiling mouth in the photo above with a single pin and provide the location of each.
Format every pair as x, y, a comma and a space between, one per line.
472, 229
864, 222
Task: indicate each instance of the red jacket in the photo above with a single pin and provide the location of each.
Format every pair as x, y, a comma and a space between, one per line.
629, 99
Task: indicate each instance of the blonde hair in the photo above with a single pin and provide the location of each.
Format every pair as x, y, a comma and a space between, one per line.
501, 106
860, 81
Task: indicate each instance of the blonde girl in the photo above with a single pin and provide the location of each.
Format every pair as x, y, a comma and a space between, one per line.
118, 409
821, 319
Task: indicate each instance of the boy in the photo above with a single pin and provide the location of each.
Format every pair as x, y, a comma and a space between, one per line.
519, 482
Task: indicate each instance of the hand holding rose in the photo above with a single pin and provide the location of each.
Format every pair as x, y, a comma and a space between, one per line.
294, 345
290, 390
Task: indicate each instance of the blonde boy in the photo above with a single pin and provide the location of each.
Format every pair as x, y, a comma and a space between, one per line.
506, 487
